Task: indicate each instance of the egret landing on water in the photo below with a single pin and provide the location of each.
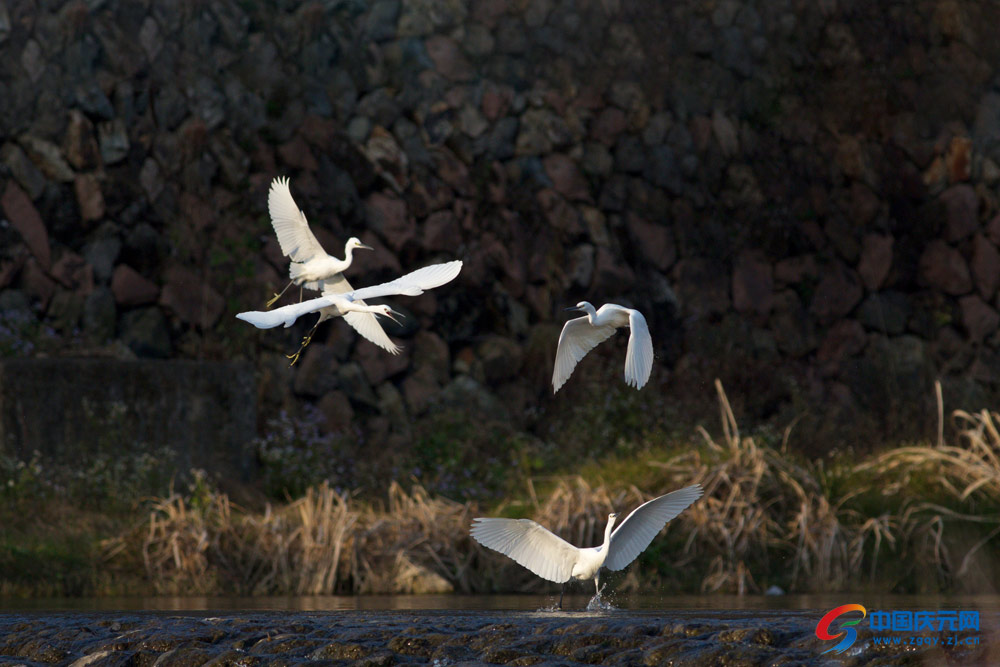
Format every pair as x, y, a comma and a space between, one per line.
310, 263
554, 559
346, 304
581, 335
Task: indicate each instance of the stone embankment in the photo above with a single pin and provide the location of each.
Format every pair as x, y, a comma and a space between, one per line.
802, 196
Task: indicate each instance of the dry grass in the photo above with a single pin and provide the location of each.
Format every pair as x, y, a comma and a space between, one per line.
912, 518
318, 544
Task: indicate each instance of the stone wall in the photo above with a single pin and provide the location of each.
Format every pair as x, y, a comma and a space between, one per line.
800, 194
71, 411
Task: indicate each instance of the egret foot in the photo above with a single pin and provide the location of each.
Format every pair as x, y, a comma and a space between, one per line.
279, 294
305, 343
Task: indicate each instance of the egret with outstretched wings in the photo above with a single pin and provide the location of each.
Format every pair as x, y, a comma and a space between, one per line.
310, 264
581, 335
351, 303
553, 558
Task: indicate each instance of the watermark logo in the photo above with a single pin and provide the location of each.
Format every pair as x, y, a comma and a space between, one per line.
848, 633
957, 628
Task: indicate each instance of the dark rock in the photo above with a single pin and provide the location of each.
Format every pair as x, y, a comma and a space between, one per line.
448, 58
351, 380
420, 388
441, 232
630, 155
25, 218
296, 153
73, 272
387, 215
316, 372
838, 291
793, 270
379, 366
559, 213
501, 143
876, 260
580, 269
89, 197
608, 125
132, 289
611, 275
102, 254
753, 284
844, 339
654, 242
144, 331
99, 315
79, 143
944, 268
985, 263
886, 312
23, 169
190, 297
36, 282
597, 159
501, 358
566, 177
962, 207
540, 131
702, 287
48, 157
978, 317
431, 352
64, 311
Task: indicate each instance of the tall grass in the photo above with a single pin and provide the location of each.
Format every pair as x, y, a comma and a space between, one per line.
920, 517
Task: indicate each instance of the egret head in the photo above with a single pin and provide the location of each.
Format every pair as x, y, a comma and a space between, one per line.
355, 242
386, 311
612, 517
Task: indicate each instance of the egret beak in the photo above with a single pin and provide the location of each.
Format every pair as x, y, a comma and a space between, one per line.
391, 315
362, 246
576, 308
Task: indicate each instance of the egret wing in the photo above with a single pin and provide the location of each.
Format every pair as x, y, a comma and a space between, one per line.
285, 315
294, 236
366, 324
578, 337
639, 357
640, 527
413, 283
529, 544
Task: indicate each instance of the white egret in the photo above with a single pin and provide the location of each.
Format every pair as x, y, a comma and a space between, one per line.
310, 263
347, 304
553, 558
581, 335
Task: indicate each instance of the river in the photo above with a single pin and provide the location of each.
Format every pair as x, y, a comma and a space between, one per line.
491, 629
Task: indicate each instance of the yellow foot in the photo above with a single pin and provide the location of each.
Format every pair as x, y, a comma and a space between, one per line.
293, 357
273, 300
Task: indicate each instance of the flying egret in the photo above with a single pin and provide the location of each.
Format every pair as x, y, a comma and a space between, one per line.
310, 263
581, 335
347, 304
552, 558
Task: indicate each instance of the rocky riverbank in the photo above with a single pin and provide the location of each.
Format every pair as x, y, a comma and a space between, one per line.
614, 637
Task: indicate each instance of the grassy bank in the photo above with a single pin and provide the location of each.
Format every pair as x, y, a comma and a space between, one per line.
917, 518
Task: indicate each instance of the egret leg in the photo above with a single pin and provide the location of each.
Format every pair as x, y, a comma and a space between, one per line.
597, 584
561, 593
278, 295
305, 341
300, 294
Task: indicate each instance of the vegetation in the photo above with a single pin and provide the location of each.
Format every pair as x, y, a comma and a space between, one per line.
917, 518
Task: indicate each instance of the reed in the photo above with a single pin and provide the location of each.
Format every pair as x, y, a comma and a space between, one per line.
919, 517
